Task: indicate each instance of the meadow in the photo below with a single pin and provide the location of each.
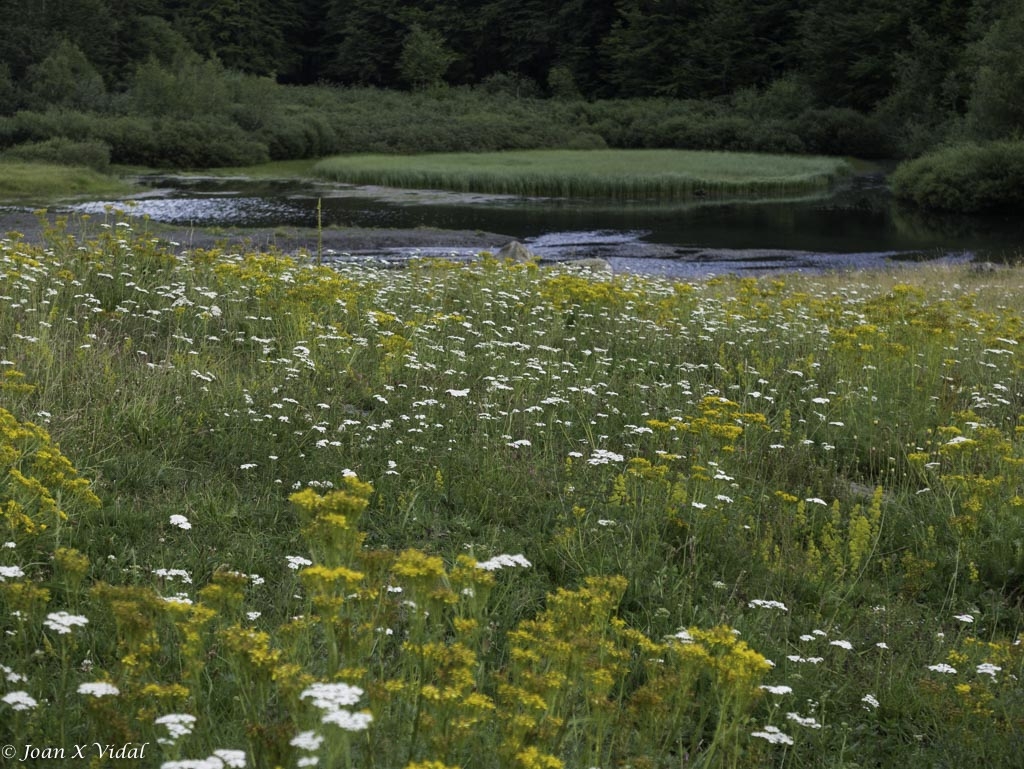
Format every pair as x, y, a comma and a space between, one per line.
256, 512
618, 174
33, 182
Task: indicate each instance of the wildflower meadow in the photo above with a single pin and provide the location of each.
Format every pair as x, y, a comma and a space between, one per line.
260, 512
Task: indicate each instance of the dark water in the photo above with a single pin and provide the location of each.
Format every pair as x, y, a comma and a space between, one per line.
857, 225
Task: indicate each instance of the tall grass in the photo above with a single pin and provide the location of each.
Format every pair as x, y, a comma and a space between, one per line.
29, 182
488, 515
620, 174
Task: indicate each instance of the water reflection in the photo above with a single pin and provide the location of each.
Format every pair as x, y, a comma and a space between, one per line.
857, 225
210, 211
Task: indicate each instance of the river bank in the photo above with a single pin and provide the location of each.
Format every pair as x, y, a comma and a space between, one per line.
624, 251
334, 241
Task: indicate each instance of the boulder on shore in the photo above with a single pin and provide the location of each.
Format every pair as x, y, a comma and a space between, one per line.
517, 252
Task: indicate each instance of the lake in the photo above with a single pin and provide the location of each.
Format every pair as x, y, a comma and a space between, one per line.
858, 225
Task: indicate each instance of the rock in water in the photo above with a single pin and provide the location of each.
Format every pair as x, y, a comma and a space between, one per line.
517, 252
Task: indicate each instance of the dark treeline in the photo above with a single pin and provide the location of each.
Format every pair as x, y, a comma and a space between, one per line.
858, 55
871, 78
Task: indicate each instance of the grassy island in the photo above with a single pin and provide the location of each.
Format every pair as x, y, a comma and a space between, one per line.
618, 174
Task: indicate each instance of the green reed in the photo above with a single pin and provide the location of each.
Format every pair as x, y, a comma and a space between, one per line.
617, 174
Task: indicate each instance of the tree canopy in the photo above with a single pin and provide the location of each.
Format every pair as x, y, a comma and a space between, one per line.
921, 65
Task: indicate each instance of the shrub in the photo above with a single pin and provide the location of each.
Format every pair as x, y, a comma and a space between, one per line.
586, 140
27, 126
776, 136
92, 153
132, 140
205, 144
697, 133
842, 131
562, 84
510, 84
303, 135
727, 131
969, 178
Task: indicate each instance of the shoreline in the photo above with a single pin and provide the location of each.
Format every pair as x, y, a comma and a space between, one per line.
393, 247
286, 239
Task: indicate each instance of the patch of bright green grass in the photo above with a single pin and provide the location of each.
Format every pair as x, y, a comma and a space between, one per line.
42, 182
619, 174
538, 518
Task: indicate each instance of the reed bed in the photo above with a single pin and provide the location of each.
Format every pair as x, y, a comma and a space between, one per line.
669, 175
256, 512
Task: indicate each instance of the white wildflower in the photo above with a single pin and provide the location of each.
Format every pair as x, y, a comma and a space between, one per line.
328, 696
760, 603
10, 572
351, 722
310, 741
503, 560
19, 700
62, 622
773, 735
808, 721
987, 668
99, 689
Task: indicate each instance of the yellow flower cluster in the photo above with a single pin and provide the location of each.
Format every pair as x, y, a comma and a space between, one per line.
34, 475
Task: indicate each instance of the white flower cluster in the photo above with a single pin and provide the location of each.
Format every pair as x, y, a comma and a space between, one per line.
221, 759
504, 560
332, 700
99, 689
774, 735
10, 572
604, 457
760, 603
62, 622
178, 725
310, 742
19, 700
180, 522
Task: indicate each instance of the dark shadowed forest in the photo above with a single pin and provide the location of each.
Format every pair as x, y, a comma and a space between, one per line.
194, 83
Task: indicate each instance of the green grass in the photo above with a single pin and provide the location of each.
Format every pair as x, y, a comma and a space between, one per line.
821, 471
43, 182
619, 174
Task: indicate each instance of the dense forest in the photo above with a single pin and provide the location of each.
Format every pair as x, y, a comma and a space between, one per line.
868, 55
202, 82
